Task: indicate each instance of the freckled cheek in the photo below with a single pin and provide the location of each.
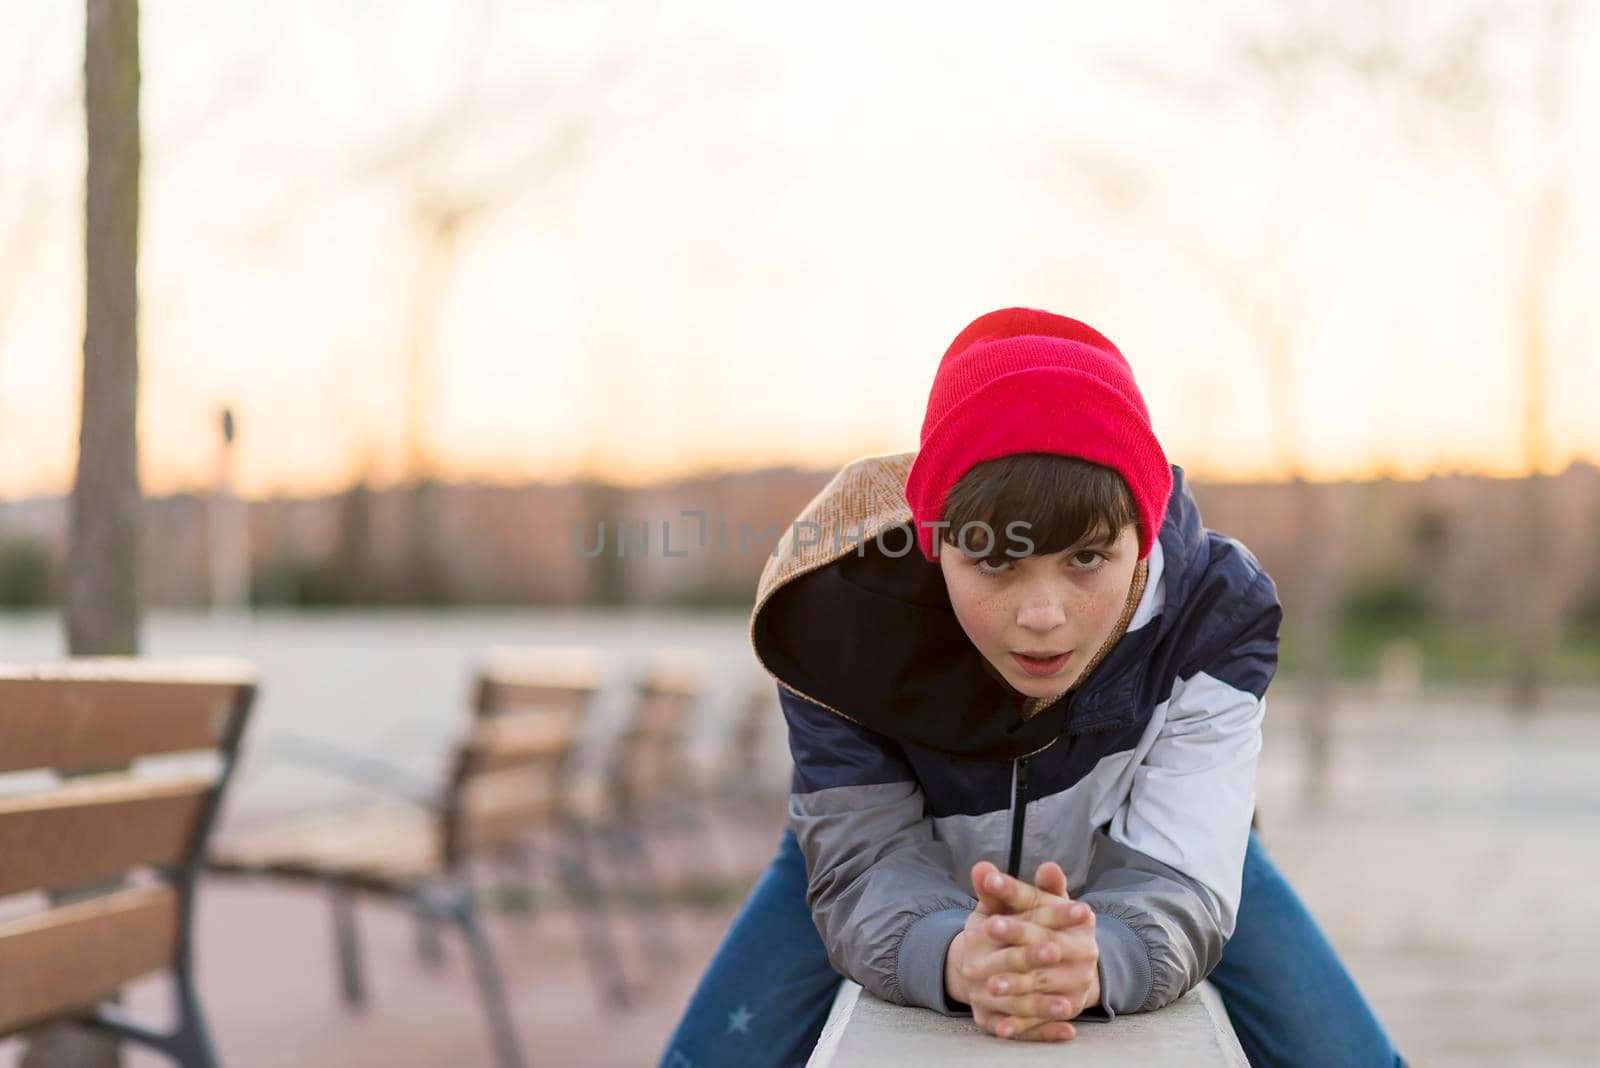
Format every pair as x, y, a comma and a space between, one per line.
1076, 603
1102, 611
1083, 608
994, 616
981, 615
985, 618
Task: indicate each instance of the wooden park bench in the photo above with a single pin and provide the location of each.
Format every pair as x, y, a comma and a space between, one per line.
645, 785
508, 776
649, 771
115, 849
647, 791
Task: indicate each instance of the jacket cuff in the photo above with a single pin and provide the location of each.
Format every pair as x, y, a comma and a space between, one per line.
919, 968
1125, 976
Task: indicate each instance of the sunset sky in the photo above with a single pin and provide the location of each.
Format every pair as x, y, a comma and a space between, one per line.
722, 235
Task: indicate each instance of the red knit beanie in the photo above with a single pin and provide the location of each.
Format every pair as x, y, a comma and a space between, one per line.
1023, 380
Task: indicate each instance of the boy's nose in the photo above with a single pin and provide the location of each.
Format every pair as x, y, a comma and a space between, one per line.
1041, 614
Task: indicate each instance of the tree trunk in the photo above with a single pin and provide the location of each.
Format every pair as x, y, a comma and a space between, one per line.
1534, 611
102, 580
1318, 627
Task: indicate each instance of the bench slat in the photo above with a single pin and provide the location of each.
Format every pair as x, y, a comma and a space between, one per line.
385, 848
523, 738
501, 807
511, 676
95, 829
497, 696
673, 675
83, 723
649, 760
72, 956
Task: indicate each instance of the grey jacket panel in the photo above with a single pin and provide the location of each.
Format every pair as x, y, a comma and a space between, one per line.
1125, 968
920, 965
874, 870
1179, 938
1058, 827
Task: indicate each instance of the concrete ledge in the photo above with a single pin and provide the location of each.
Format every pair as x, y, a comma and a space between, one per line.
864, 1032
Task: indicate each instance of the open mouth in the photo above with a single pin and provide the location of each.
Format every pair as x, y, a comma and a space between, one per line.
1042, 666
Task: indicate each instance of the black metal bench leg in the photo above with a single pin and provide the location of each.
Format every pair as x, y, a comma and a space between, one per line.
191, 1045
519, 863
430, 947
188, 1044
507, 1053
583, 889
347, 943
629, 848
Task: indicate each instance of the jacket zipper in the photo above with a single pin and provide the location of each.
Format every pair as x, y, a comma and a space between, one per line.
1019, 814
1019, 796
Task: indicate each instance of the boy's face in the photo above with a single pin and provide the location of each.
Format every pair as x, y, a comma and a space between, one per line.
1065, 602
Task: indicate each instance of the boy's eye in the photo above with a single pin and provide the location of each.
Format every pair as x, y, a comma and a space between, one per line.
1088, 560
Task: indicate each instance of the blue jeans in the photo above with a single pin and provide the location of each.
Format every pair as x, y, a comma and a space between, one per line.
767, 992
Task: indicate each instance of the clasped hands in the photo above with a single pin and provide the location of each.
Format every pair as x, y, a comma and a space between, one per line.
1026, 959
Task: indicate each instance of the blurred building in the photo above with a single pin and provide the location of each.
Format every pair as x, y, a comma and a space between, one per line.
1451, 539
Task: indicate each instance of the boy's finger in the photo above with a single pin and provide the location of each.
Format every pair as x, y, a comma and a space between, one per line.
1049, 1031
1056, 979
1027, 958
1016, 931
1036, 1006
1051, 891
1011, 1026
988, 901
1051, 879
979, 967
1021, 958
1031, 1029
1054, 916
1058, 916
1016, 895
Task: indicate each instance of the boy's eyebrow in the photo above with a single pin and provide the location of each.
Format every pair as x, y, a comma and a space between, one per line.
1104, 541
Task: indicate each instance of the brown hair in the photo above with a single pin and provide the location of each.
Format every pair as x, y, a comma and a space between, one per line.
1064, 500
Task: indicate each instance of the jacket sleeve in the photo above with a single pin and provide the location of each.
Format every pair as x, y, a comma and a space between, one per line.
880, 886
1166, 873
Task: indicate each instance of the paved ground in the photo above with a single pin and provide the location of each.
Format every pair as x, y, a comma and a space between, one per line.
1455, 869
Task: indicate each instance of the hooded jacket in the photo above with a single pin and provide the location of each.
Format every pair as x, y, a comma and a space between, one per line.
913, 761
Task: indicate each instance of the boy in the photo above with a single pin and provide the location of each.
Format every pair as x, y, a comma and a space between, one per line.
1018, 651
